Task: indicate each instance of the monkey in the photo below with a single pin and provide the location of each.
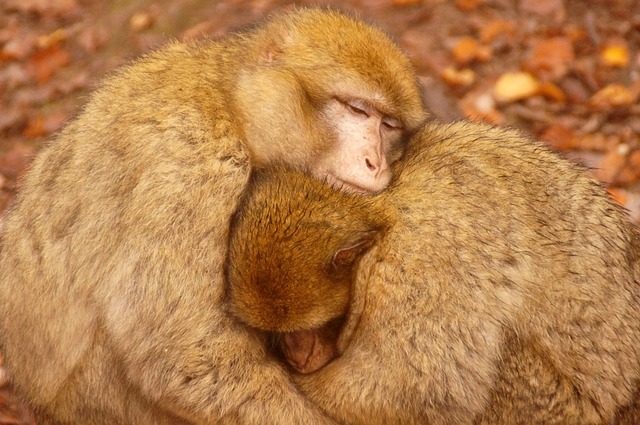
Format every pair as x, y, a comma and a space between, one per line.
289, 298
504, 290
112, 298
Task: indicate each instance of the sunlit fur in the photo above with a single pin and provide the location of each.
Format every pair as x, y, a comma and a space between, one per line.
111, 272
506, 291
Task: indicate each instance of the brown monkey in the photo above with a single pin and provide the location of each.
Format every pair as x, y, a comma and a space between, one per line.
505, 291
285, 282
112, 267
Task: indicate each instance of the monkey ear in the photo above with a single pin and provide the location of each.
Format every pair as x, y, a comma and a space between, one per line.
344, 258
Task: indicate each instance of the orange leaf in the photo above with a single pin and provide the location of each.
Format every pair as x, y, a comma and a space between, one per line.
494, 29
550, 58
612, 95
553, 92
560, 137
467, 49
453, 77
542, 7
514, 86
615, 54
468, 4
46, 62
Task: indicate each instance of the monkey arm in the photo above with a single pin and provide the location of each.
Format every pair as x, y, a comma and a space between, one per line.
168, 320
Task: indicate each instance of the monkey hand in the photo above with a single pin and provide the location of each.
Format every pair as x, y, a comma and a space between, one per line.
308, 350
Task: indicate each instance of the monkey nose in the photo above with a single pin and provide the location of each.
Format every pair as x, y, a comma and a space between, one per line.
375, 164
371, 166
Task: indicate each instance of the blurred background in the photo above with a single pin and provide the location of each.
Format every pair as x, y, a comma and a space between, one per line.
564, 71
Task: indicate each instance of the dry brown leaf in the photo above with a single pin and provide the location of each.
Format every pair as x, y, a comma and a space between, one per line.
496, 28
542, 7
35, 127
514, 86
458, 78
612, 95
560, 137
550, 58
575, 33
615, 54
48, 40
467, 5
468, 49
597, 142
405, 2
553, 92
46, 62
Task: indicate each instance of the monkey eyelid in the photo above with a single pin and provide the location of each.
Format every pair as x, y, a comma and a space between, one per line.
357, 108
391, 123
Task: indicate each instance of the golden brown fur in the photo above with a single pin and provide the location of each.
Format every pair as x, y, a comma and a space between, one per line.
507, 292
111, 270
285, 280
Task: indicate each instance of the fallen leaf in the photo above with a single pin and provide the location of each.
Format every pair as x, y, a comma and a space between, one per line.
597, 142
46, 62
405, 2
496, 28
467, 5
48, 40
468, 49
615, 54
542, 7
514, 86
35, 127
560, 137
612, 95
553, 92
550, 58
462, 78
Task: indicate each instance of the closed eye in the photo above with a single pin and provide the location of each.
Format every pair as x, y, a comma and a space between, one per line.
356, 109
391, 124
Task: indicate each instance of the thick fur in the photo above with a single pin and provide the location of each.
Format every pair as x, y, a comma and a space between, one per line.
506, 293
111, 269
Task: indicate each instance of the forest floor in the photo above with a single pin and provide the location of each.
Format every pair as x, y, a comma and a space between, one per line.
564, 71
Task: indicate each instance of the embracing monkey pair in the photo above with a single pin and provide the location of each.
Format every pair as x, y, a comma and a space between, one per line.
219, 206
